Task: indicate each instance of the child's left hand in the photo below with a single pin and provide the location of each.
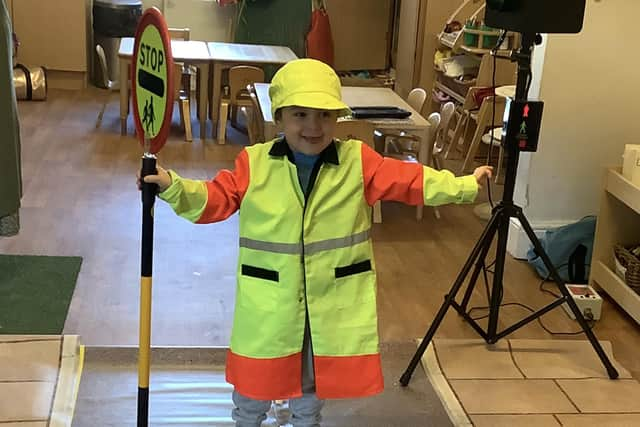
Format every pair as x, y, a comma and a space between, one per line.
482, 173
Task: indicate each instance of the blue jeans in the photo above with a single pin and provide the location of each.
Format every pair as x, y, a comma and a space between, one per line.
305, 410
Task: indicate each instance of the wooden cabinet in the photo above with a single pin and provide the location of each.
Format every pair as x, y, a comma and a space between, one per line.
361, 31
618, 223
54, 34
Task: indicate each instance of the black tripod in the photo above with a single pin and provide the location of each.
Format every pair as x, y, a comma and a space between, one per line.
499, 223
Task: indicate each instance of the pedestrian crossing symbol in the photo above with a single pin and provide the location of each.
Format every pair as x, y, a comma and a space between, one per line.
148, 117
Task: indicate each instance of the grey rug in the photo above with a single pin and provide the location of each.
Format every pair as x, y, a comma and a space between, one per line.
188, 389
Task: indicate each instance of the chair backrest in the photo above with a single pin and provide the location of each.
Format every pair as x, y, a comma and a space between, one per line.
180, 34
256, 127
102, 59
183, 34
355, 129
486, 111
239, 77
434, 120
416, 99
442, 133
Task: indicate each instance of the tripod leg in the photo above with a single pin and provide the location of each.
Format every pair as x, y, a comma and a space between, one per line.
485, 239
613, 373
496, 291
479, 264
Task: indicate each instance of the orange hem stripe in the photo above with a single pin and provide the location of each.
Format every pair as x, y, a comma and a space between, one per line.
341, 377
265, 379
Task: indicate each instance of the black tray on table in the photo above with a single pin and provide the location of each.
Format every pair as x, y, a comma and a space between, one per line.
379, 112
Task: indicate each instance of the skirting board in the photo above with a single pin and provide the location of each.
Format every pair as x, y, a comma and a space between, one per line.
67, 80
518, 242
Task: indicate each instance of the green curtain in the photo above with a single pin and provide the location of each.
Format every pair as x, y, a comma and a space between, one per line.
275, 22
10, 174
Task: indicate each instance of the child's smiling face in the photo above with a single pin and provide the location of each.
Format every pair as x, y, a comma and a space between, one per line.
308, 130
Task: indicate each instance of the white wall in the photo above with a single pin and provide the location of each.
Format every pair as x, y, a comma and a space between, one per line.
207, 20
590, 86
521, 196
152, 3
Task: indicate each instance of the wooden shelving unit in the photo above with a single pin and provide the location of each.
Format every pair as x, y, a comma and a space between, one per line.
505, 71
455, 95
618, 223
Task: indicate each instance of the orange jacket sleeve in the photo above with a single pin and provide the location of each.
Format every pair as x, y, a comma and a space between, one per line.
412, 183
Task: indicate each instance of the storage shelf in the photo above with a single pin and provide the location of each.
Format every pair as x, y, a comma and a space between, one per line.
618, 224
623, 189
617, 289
450, 92
474, 50
482, 32
479, 51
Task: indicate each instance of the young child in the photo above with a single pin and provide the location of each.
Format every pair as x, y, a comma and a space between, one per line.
305, 323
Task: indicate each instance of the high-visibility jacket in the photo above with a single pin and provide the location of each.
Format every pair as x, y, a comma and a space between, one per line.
308, 255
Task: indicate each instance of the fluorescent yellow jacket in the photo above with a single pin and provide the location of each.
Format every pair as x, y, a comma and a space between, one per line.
310, 254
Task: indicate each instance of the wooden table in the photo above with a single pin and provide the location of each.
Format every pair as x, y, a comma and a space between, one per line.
227, 55
190, 52
363, 97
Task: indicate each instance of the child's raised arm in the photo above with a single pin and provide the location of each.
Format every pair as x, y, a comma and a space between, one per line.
415, 184
204, 202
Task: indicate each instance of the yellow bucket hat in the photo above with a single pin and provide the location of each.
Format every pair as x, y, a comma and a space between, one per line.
307, 83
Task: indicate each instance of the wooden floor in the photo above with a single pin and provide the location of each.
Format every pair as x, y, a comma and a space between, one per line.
80, 198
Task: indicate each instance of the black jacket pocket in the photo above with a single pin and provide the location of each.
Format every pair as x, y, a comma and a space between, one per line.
359, 267
260, 273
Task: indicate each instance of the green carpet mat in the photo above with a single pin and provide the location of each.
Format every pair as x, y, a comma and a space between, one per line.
35, 292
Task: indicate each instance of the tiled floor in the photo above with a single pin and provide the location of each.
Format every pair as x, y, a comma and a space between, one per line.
530, 383
39, 376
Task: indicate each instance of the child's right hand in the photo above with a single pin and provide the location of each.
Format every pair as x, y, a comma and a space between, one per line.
162, 178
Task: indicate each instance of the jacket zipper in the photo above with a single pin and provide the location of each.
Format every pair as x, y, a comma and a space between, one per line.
314, 173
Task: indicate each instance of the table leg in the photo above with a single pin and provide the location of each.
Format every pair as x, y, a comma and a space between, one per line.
124, 94
425, 156
215, 99
377, 212
202, 98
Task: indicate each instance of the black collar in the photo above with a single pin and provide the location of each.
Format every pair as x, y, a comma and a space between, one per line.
328, 155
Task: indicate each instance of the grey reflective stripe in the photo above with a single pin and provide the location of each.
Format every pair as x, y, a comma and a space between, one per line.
311, 248
279, 248
341, 242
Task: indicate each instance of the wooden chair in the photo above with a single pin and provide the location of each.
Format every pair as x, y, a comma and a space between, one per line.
108, 84
416, 100
467, 113
361, 130
253, 117
415, 150
183, 84
441, 141
494, 137
180, 34
239, 77
485, 114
